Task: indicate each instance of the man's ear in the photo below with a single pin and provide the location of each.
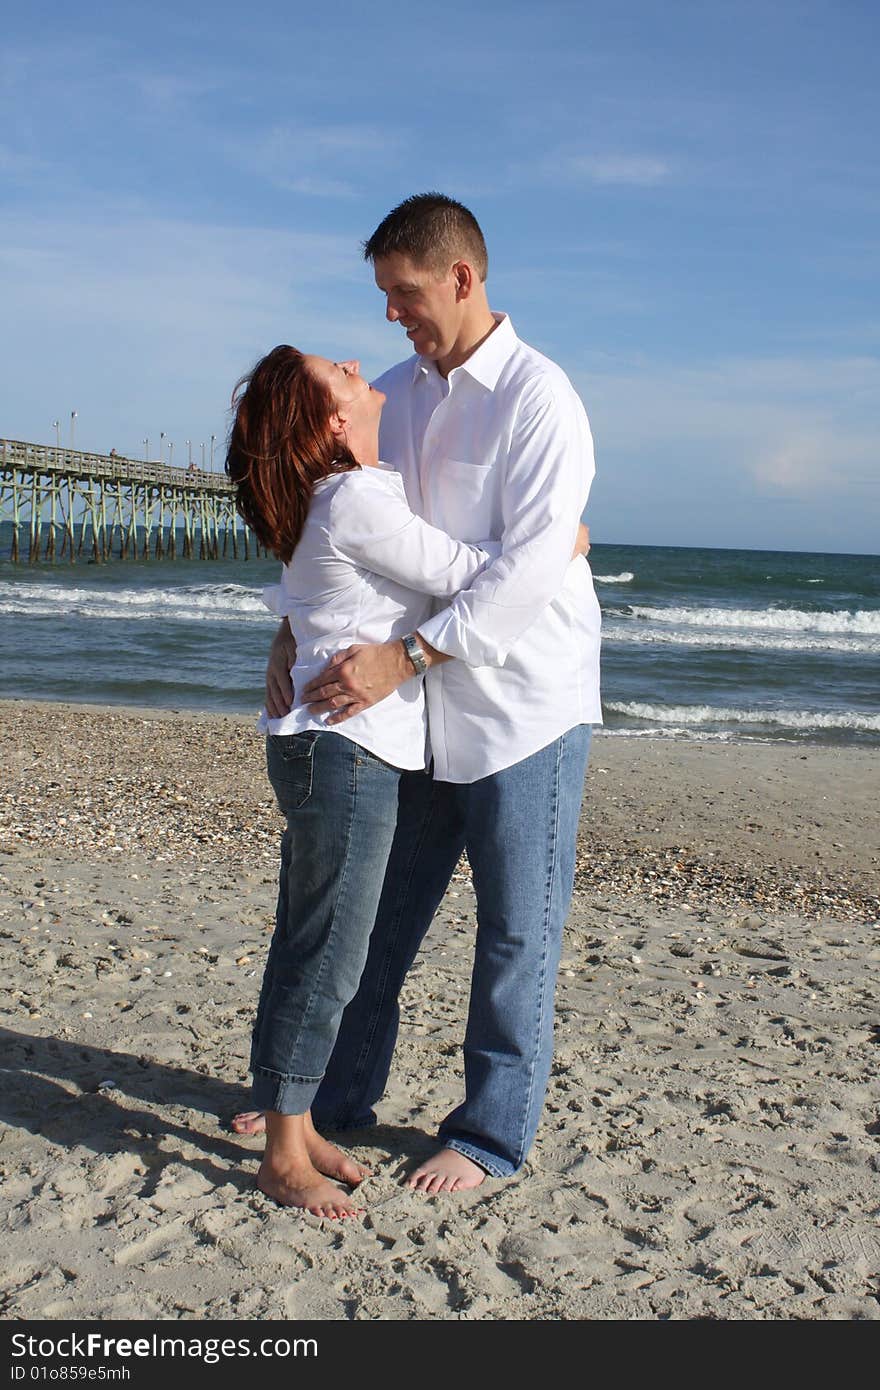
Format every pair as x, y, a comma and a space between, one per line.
464, 280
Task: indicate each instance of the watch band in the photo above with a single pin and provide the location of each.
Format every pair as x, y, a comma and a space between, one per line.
415, 654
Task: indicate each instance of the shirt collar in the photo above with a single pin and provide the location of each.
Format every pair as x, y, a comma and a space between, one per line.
484, 365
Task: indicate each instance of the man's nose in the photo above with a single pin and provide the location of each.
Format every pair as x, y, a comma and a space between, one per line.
391, 314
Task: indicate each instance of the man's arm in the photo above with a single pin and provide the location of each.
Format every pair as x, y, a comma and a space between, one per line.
549, 470
547, 478
376, 528
361, 676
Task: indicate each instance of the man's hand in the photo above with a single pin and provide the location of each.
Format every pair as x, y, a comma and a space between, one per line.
357, 678
582, 542
279, 687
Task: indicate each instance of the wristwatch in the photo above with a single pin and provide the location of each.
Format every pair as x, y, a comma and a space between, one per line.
415, 653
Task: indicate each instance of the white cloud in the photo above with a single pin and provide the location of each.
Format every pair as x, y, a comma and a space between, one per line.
569, 167
706, 454
564, 167
317, 187
802, 465
327, 161
642, 170
133, 320
170, 94
750, 409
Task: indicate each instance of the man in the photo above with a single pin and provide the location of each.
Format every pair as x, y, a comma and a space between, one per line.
491, 441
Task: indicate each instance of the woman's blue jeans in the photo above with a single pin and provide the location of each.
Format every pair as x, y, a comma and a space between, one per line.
519, 827
340, 802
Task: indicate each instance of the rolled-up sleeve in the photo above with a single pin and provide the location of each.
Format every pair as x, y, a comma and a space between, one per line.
273, 598
547, 479
378, 531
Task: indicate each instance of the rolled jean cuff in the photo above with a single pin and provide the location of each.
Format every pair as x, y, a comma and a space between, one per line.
490, 1163
286, 1095
343, 1125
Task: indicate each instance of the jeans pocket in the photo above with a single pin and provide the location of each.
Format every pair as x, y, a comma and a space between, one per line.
290, 761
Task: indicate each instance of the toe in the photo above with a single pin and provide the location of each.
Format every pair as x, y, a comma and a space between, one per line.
248, 1122
353, 1173
427, 1182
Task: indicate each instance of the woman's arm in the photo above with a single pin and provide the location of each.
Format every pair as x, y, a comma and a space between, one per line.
374, 527
282, 656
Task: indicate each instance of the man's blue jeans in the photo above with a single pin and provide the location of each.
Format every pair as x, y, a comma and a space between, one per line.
341, 807
519, 828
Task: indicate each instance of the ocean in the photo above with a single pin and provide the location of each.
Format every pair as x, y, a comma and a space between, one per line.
697, 644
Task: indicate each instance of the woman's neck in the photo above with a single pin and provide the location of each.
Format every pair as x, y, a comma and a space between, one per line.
365, 450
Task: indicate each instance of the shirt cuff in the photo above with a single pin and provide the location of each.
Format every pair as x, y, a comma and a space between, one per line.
449, 634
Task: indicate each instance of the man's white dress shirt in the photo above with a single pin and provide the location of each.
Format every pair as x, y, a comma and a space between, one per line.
363, 571
501, 450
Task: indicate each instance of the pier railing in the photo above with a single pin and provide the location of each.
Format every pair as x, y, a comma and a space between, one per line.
62, 503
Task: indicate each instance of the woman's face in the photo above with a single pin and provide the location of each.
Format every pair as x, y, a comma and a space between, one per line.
358, 405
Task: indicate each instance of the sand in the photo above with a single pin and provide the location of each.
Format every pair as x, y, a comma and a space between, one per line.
710, 1147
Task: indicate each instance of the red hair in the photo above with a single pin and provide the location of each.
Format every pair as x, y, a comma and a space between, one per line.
280, 445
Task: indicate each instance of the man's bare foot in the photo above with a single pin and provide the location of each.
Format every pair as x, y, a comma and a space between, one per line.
446, 1171
329, 1160
301, 1185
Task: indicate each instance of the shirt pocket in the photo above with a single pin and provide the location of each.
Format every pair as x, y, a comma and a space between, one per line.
464, 495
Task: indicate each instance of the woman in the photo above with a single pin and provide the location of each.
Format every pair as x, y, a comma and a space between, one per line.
358, 567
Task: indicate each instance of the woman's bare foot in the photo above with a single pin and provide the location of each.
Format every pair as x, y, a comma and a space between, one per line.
288, 1174
446, 1171
303, 1186
329, 1160
249, 1122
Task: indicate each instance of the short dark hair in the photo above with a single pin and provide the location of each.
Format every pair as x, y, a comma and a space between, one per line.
432, 230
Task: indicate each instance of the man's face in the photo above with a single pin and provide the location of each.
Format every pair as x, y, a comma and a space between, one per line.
424, 302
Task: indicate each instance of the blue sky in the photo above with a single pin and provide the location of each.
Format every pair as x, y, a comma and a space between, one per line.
681, 202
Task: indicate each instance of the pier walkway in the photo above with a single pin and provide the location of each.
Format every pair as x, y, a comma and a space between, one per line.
63, 503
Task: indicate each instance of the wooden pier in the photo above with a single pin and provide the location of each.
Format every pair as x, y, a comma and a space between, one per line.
63, 504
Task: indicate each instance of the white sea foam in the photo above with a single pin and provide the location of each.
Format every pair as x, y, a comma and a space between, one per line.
864, 621
668, 731
626, 577
807, 720
204, 602
624, 631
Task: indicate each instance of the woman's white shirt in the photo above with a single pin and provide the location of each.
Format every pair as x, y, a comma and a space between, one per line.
364, 570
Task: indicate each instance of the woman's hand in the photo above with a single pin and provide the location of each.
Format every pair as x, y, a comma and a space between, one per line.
279, 686
582, 542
